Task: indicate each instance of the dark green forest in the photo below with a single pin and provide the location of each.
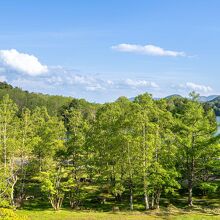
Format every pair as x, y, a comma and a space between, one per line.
65, 152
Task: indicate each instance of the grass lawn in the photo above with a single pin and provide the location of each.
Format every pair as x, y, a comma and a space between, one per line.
87, 215
202, 210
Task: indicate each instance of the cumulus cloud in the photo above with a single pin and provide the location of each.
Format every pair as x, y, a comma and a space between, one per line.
140, 83
22, 62
89, 83
197, 87
67, 78
70, 78
147, 50
26, 71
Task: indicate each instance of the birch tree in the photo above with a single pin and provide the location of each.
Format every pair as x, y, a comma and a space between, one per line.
7, 134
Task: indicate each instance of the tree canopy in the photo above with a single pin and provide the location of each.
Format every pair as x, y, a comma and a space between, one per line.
141, 150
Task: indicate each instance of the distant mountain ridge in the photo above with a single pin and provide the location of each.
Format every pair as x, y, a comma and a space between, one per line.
208, 98
217, 98
201, 98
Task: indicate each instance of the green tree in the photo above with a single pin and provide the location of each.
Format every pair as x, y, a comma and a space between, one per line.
143, 123
7, 137
53, 184
25, 142
49, 137
76, 155
196, 142
163, 174
107, 150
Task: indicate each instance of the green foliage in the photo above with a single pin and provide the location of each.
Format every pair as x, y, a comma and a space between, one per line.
120, 152
33, 100
53, 185
9, 214
208, 188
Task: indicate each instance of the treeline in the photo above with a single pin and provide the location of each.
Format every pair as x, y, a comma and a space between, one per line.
121, 151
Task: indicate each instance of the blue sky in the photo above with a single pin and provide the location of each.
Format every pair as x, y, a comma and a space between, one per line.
100, 50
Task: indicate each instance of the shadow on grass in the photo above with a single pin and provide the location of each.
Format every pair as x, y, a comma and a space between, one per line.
36, 205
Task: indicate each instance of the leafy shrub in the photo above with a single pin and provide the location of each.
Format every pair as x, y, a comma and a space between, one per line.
208, 188
9, 214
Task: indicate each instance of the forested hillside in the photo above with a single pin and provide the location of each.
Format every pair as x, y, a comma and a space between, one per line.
32, 100
215, 104
122, 155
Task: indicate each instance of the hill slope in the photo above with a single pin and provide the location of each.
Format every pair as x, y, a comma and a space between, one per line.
55, 103
31, 100
215, 104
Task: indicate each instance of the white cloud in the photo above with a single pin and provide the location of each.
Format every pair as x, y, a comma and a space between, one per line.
147, 49
88, 82
140, 83
95, 87
60, 80
3, 78
55, 80
22, 62
197, 87
68, 78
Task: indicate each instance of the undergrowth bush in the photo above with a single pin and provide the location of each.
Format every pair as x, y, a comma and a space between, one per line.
9, 214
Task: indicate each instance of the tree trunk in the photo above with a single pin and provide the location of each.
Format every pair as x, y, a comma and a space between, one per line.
146, 201
152, 201
14, 179
131, 199
130, 179
56, 203
23, 177
190, 202
191, 168
5, 146
190, 182
144, 169
12, 192
157, 200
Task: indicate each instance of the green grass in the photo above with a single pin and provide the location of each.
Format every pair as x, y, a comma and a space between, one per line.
196, 217
82, 215
92, 215
204, 208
